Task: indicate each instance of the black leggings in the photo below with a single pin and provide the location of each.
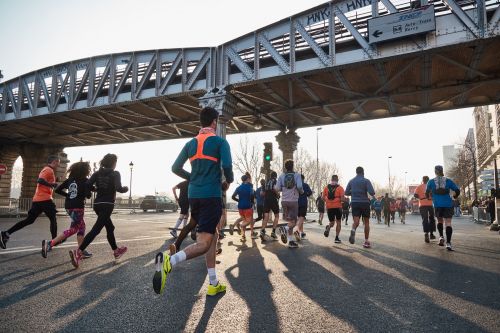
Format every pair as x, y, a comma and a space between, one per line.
103, 212
260, 213
184, 232
428, 221
38, 207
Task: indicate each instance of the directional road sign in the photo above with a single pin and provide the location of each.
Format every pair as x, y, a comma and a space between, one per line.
403, 24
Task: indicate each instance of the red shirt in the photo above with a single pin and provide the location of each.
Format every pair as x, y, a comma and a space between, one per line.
44, 193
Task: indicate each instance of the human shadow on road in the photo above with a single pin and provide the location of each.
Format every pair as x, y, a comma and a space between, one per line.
462, 281
368, 299
210, 304
253, 285
121, 298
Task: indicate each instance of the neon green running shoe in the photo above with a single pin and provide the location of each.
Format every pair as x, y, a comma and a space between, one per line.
214, 290
163, 267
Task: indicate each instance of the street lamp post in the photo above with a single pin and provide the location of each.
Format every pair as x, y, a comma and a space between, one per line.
317, 158
389, 172
405, 191
131, 165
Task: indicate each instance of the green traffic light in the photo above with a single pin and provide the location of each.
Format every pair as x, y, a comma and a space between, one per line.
268, 157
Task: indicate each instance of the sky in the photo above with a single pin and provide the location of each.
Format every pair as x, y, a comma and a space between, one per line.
37, 34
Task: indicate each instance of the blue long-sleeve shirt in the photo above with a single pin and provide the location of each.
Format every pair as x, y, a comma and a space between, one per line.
206, 176
357, 188
303, 196
441, 200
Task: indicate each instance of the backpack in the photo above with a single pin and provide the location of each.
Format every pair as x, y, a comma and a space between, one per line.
331, 191
289, 180
441, 185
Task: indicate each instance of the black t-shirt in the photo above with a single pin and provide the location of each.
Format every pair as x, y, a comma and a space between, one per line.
320, 203
270, 193
183, 191
107, 183
77, 192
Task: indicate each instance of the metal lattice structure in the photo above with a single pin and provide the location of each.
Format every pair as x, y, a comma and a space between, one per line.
313, 68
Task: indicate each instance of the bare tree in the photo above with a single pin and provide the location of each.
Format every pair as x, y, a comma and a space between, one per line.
249, 159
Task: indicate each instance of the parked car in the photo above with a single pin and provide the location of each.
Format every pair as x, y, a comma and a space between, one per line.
158, 203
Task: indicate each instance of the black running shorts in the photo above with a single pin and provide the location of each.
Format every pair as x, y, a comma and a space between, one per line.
206, 212
360, 209
334, 214
302, 211
271, 205
184, 205
444, 212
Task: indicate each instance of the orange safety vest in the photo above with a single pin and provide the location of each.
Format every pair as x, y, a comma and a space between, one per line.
200, 138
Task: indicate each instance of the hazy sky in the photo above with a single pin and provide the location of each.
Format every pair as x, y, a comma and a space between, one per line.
38, 34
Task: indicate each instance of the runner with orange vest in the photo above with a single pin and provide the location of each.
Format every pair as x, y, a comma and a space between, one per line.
208, 154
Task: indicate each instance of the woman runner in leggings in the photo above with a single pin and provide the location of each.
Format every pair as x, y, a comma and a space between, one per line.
77, 191
107, 182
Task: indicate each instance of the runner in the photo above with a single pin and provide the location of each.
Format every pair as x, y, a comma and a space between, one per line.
244, 196
402, 210
426, 210
108, 182
386, 206
76, 184
207, 154
42, 202
440, 188
290, 184
377, 206
183, 202
271, 197
346, 205
299, 233
333, 194
320, 204
259, 198
393, 208
357, 188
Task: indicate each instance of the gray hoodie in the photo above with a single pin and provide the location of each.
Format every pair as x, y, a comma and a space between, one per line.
289, 194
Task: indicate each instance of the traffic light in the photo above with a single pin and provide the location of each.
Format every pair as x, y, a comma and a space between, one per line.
268, 151
268, 157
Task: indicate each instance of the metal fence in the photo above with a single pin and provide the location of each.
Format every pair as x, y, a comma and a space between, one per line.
480, 215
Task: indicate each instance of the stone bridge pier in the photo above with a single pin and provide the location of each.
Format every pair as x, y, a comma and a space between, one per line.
34, 158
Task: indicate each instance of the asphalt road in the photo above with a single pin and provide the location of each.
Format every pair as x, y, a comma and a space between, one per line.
400, 285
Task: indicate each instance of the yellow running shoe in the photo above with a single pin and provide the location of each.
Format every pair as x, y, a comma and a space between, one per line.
214, 290
163, 267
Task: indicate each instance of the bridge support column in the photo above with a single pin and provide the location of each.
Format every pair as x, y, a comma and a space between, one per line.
222, 101
8, 156
34, 159
287, 143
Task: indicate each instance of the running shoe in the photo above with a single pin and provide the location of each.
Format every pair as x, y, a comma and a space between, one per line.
76, 256
222, 235
172, 249
193, 235
367, 245
3, 240
262, 235
214, 290
297, 235
273, 235
293, 244
448, 247
327, 231
320, 222
243, 239
45, 247
303, 235
231, 229
86, 254
119, 252
255, 235
163, 268
173, 233
337, 240
283, 235
441, 241
432, 236
218, 251
351, 238
426, 238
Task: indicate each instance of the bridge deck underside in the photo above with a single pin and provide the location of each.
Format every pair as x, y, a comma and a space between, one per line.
441, 79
